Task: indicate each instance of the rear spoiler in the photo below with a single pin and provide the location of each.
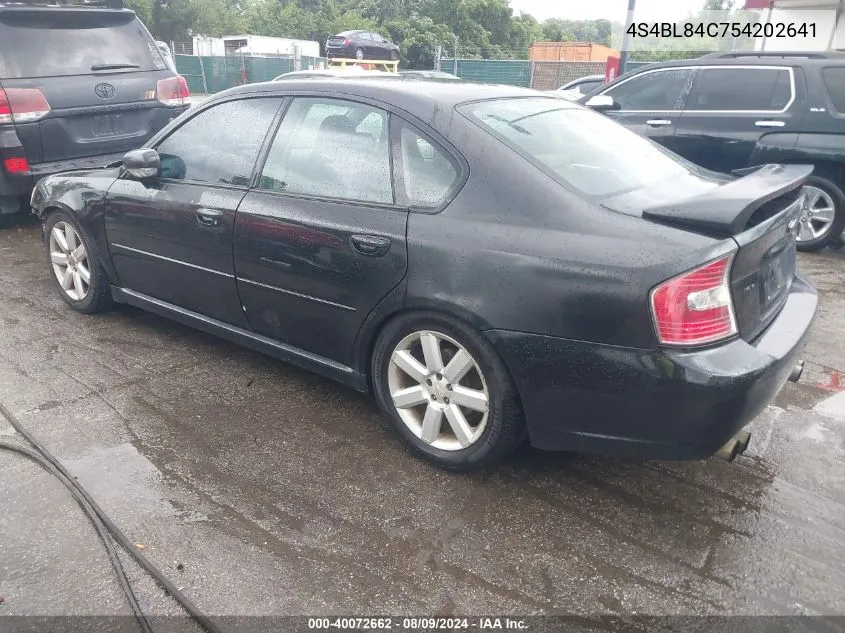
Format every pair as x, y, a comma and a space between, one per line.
727, 209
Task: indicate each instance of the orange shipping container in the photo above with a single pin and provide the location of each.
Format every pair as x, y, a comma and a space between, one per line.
569, 52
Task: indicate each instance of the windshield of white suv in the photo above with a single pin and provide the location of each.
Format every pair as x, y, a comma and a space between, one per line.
584, 150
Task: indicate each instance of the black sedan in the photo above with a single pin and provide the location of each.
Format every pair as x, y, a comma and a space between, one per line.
490, 262
361, 45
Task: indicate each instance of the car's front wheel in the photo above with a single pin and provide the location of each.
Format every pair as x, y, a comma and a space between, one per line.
394, 55
823, 218
446, 391
74, 266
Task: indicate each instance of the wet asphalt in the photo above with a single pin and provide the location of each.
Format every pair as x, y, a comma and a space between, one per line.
279, 492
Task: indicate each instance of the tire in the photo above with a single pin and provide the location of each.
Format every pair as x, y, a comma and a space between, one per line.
96, 295
833, 230
486, 435
359, 53
394, 56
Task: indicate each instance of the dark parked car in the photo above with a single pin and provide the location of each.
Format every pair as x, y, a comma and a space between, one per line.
583, 85
730, 111
438, 75
79, 86
361, 45
490, 263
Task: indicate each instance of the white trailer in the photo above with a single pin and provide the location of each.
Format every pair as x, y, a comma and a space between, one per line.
261, 45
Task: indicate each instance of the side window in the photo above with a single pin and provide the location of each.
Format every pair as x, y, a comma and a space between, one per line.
660, 90
428, 172
751, 89
364, 36
219, 145
834, 81
332, 149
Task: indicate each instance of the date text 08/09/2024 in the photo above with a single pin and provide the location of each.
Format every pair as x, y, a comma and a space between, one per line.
721, 29
417, 623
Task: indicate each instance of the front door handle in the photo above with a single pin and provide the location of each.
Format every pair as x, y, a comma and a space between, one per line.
658, 122
770, 124
370, 245
210, 217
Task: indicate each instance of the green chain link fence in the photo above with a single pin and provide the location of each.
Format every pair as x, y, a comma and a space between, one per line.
213, 74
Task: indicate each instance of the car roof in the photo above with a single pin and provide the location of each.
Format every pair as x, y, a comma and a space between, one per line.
586, 78
422, 98
320, 73
764, 58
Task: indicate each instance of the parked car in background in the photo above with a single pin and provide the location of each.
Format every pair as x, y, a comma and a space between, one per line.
491, 262
437, 75
361, 45
79, 86
326, 73
583, 85
733, 111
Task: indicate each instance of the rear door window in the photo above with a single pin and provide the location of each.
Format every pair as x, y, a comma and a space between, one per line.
834, 81
741, 89
428, 172
663, 90
331, 148
52, 42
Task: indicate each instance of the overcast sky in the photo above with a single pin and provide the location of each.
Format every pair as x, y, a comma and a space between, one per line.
608, 9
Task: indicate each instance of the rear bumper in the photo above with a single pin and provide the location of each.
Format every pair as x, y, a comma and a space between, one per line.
654, 404
341, 51
22, 184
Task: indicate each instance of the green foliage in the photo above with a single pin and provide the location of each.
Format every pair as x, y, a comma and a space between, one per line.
482, 29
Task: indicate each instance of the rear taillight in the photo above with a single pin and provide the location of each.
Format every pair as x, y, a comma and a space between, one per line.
346, 42
16, 165
173, 91
696, 307
22, 105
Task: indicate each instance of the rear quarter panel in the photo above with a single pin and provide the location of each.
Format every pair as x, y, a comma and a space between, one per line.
517, 251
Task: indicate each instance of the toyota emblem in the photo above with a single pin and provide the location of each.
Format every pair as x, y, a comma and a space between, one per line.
104, 91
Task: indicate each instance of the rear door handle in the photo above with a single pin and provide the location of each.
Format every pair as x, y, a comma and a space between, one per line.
370, 245
770, 124
658, 122
210, 217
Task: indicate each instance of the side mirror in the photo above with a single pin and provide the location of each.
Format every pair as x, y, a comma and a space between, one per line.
142, 164
602, 103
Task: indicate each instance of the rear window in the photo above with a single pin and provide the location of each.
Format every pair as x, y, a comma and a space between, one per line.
49, 43
741, 89
584, 150
834, 81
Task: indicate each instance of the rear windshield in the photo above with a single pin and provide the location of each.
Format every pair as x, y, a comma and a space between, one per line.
49, 43
584, 150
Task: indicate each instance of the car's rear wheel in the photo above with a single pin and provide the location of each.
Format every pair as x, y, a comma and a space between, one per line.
359, 53
446, 391
74, 265
823, 218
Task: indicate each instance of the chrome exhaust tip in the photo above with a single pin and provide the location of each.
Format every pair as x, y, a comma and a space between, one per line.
796, 371
729, 451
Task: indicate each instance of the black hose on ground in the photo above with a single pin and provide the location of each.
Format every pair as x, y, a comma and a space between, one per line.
98, 525
54, 466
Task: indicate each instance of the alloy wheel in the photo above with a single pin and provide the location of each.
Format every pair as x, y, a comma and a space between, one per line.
817, 216
70, 261
438, 390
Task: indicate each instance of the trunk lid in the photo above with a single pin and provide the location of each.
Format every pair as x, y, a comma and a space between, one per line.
759, 212
97, 69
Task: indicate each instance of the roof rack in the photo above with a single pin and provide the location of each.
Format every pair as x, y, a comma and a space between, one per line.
780, 54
